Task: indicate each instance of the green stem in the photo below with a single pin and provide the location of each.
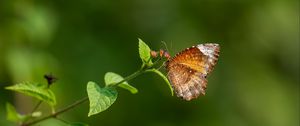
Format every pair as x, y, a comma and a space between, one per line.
33, 110
58, 112
53, 115
134, 75
36, 106
64, 121
137, 73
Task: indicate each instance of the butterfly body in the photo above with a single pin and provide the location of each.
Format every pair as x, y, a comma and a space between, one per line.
187, 71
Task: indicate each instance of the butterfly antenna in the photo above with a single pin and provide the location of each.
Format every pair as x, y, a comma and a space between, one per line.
165, 44
171, 46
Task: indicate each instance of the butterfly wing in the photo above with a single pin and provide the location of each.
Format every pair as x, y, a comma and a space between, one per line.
187, 71
211, 52
187, 83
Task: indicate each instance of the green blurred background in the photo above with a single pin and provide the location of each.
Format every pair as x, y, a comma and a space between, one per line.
255, 83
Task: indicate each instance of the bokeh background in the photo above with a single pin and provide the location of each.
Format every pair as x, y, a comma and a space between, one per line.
255, 83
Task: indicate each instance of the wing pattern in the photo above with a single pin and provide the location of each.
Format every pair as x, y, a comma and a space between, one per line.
188, 70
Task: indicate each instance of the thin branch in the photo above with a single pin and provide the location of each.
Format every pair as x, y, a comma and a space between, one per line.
58, 112
62, 120
135, 74
36, 106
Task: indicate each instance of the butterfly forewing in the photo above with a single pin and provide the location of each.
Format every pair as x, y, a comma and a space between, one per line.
211, 51
187, 71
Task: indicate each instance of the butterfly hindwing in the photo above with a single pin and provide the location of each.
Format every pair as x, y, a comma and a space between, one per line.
187, 83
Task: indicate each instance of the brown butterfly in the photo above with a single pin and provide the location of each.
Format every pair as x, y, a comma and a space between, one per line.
187, 71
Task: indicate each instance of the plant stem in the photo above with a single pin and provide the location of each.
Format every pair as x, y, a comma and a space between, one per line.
62, 120
33, 110
135, 74
36, 106
78, 102
58, 112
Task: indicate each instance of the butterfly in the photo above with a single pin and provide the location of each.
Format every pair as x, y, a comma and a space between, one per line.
187, 71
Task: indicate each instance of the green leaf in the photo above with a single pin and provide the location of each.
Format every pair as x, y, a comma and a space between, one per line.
163, 77
100, 98
111, 78
35, 90
13, 115
77, 124
144, 52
